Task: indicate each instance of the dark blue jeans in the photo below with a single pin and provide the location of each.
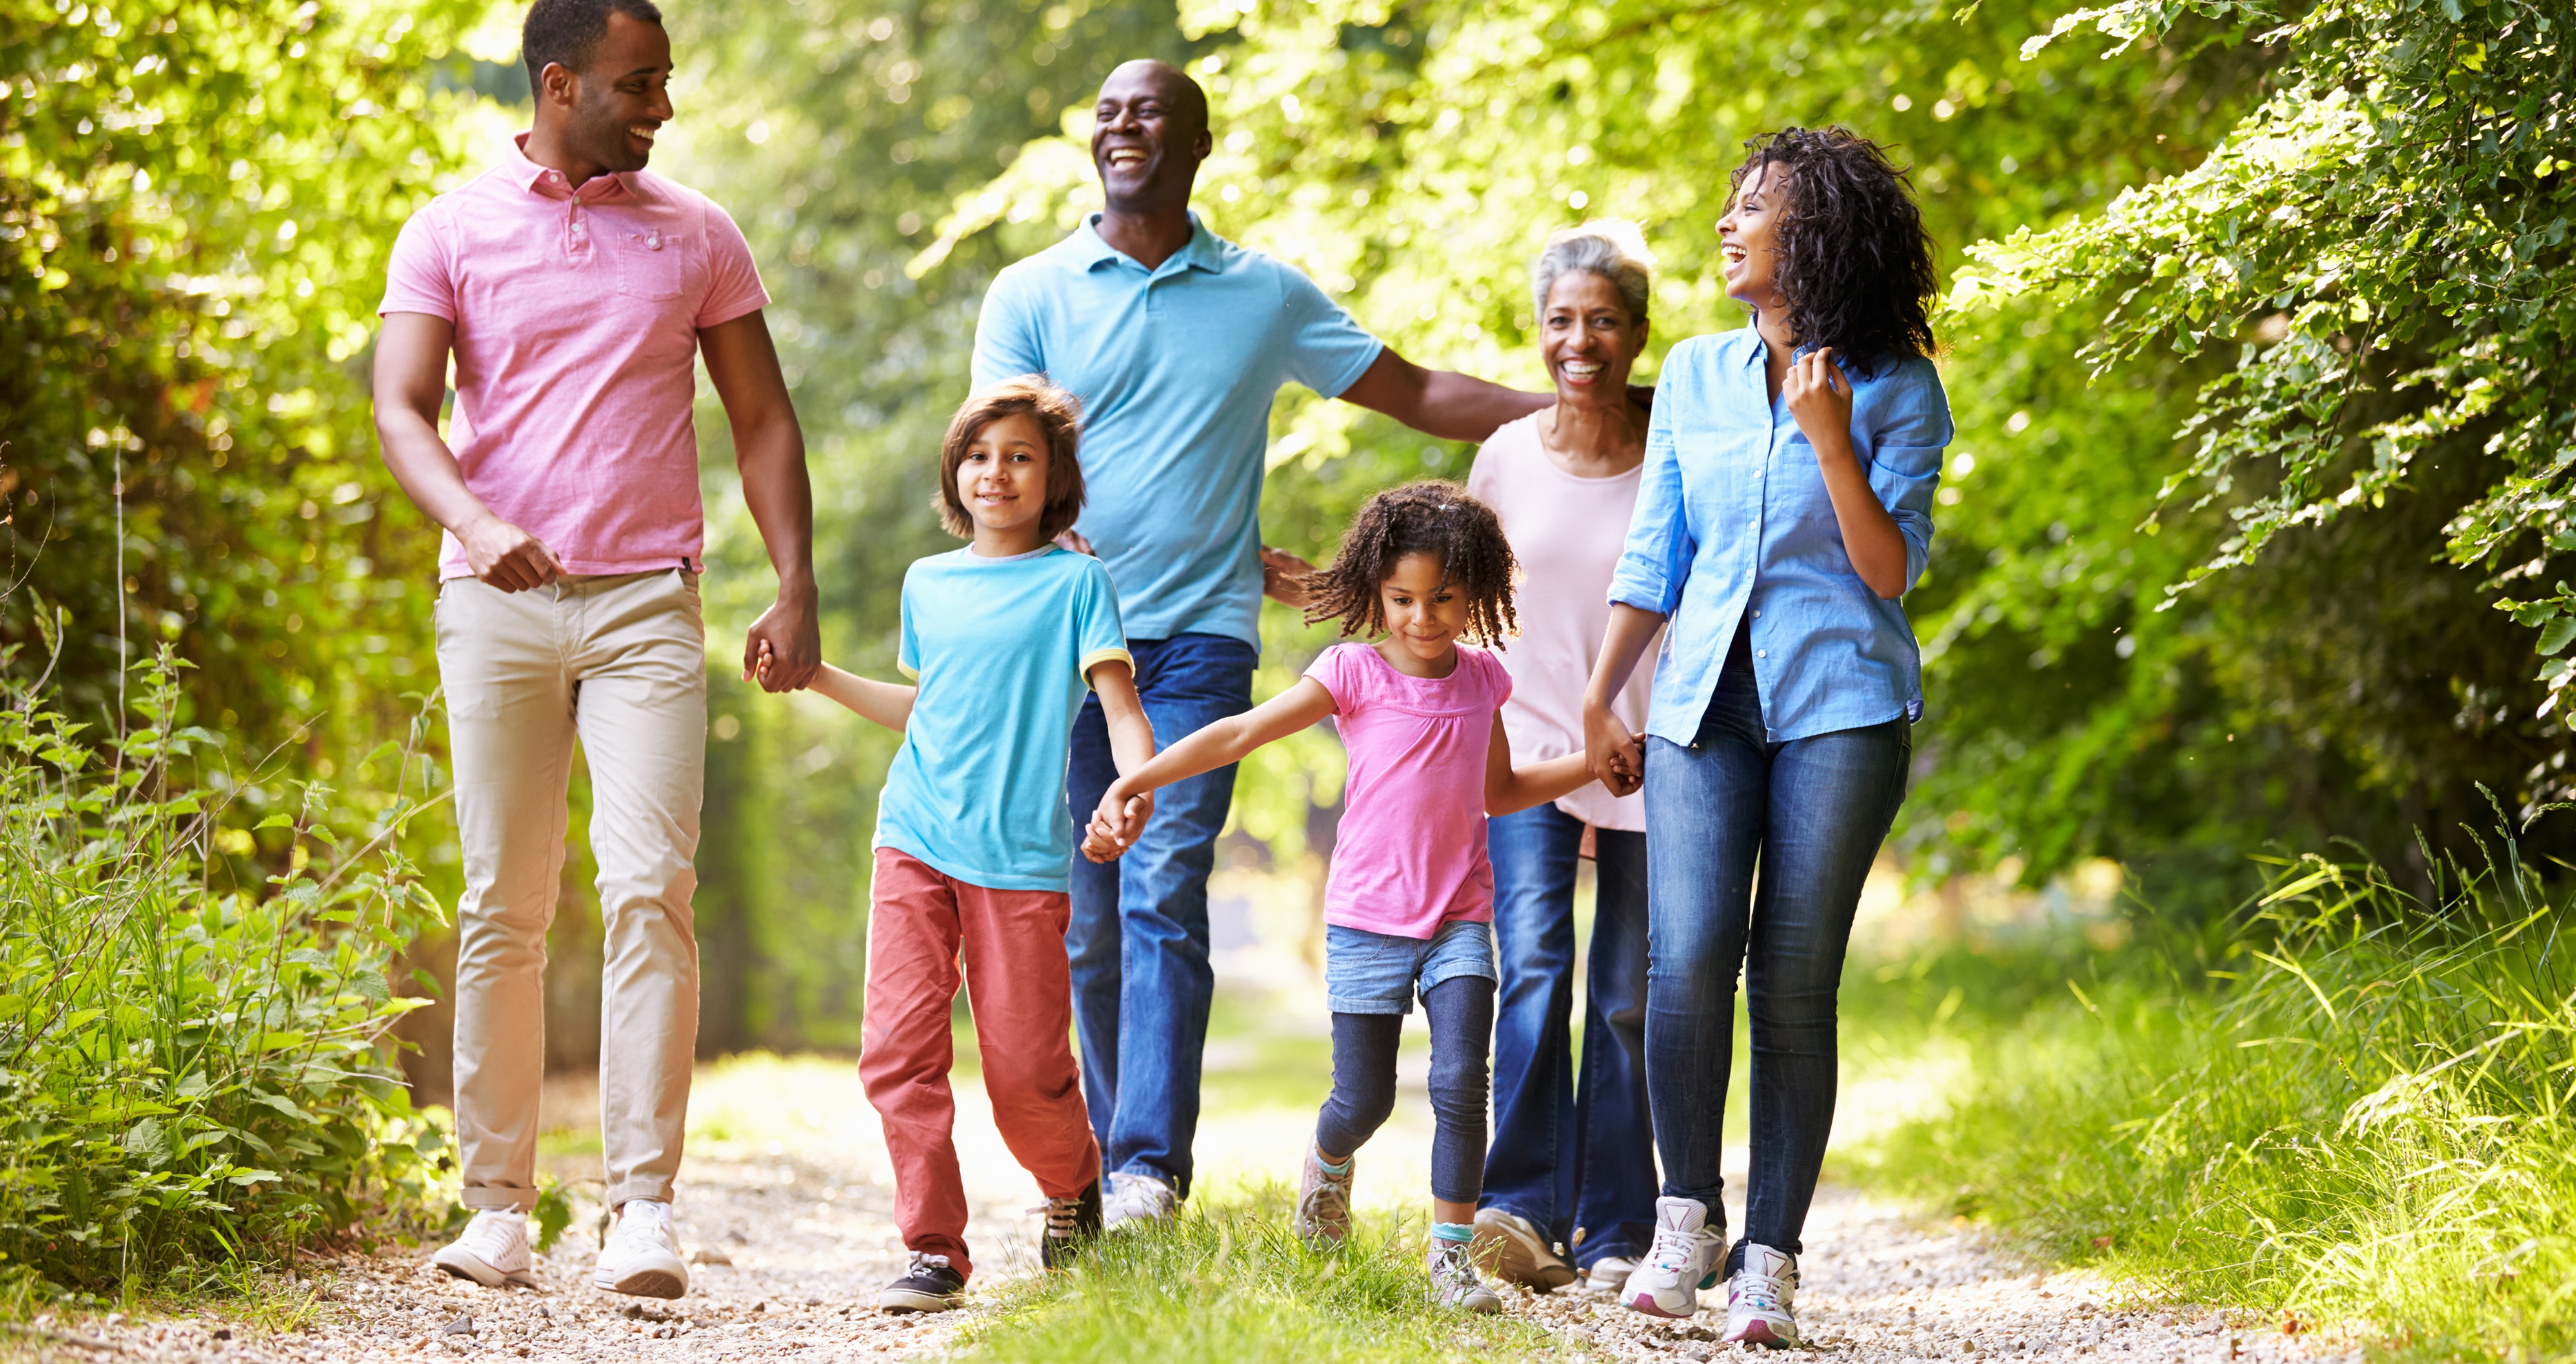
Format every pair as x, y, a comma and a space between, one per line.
1574, 1157
1812, 813
1139, 939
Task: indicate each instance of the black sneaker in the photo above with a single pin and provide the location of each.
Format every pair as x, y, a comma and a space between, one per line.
1071, 1221
931, 1287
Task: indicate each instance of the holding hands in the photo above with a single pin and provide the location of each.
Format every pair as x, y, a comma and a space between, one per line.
1117, 823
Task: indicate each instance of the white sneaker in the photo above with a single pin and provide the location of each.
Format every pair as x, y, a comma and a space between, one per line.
493, 1251
1683, 1260
1761, 1299
1454, 1281
642, 1257
1510, 1247
1138, 1199
1609, 1274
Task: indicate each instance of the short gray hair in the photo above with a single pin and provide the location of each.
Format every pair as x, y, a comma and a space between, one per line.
1612, 248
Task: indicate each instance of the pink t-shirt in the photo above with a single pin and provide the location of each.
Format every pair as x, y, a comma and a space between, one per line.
1567, 533
1411, 854
577, 315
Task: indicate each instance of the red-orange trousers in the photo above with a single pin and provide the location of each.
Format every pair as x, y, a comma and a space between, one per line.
922, 924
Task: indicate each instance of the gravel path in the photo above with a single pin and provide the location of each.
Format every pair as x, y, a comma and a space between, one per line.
787, 1207
1880, 1289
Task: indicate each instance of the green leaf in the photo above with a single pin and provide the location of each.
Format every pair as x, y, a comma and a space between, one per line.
2555, 637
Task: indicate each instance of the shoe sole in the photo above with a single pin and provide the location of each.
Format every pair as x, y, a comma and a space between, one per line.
1507, 1253
904, 1302
472, 1269
1761, 1333
644, 1283
1645, 1302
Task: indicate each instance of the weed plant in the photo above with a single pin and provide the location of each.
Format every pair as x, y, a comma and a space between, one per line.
2352, 1106
190, 1078
1228, 1282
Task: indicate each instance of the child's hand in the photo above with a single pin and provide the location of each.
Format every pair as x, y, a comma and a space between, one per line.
1118, 821
761, 667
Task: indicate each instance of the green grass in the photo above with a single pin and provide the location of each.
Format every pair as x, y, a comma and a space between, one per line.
1228, 1282
2353, 1107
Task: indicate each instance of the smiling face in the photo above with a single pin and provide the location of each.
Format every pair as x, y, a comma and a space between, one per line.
1424, 615
1003, 477
1588, 339
1748, 240
1148, 135
613, 108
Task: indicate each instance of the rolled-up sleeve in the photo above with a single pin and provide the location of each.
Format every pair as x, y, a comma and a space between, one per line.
1905, 461
1656, 561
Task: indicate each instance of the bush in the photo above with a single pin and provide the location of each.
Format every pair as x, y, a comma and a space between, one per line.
188, 1074
2355, 1110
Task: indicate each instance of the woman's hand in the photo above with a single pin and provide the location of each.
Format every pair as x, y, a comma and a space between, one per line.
1611, 752
1821, 399
1115, 825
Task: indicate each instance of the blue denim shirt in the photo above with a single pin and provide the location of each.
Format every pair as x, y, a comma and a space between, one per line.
1733, 518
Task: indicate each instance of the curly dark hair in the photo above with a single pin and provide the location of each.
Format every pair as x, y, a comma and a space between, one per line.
1429, 517
1854, 261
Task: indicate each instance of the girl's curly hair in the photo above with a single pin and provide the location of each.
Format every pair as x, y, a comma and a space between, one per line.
1854, 261
1430, 517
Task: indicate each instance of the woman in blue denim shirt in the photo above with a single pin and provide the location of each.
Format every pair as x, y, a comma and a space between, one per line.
1789, 476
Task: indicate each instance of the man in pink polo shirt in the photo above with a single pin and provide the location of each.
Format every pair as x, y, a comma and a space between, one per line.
574, 291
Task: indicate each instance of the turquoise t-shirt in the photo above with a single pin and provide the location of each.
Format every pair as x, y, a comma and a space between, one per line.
1176, 368
1002, 650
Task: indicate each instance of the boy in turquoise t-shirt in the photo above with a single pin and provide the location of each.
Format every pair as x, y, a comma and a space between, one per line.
974, 848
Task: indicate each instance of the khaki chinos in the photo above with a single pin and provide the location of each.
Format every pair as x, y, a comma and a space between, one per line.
618, 663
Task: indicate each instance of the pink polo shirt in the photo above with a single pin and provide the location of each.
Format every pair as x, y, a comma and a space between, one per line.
577, 315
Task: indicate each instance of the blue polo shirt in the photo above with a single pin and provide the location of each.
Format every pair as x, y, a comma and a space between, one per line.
1176, 368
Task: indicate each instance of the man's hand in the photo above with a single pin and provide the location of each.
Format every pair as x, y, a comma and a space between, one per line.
1075, 542
1282, 577
507, 557
785, 645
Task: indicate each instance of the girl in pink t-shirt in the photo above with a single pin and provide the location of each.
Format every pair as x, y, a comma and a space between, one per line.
1408, 907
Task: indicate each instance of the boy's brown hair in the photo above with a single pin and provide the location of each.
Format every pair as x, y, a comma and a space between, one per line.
1429, 517
1058, 414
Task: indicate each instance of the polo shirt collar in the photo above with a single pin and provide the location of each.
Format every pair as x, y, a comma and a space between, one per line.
536, 179
1201, 253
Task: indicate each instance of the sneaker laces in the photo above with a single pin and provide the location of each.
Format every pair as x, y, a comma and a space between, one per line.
1758, 1291
1063, 1216
488, 1234
1672, 1251
922, 1262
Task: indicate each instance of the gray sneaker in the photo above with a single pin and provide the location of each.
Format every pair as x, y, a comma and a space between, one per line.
1324, 1201
1138, 1200
1454, 1282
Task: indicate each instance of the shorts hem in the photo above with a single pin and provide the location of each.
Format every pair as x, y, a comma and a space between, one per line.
1341, 1004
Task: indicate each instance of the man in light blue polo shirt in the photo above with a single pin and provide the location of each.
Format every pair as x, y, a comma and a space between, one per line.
1177, 340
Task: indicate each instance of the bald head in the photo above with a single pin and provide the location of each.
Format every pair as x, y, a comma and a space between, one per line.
1149, 132
1180, 94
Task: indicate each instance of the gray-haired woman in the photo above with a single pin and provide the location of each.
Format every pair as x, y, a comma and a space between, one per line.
1570, 1174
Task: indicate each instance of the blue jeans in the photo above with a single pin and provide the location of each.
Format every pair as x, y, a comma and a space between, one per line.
1812, 812
1577, 1160
1139, 940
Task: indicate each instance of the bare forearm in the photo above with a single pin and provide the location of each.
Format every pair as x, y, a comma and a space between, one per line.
1870, 536
1538, 783
427, 470
1226, 741
1459, 407
780, 496
883, 702
1622, 645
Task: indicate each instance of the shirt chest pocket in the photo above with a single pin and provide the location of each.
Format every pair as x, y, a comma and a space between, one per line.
652, 263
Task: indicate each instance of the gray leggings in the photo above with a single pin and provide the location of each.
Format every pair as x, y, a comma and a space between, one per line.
1461, 1010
